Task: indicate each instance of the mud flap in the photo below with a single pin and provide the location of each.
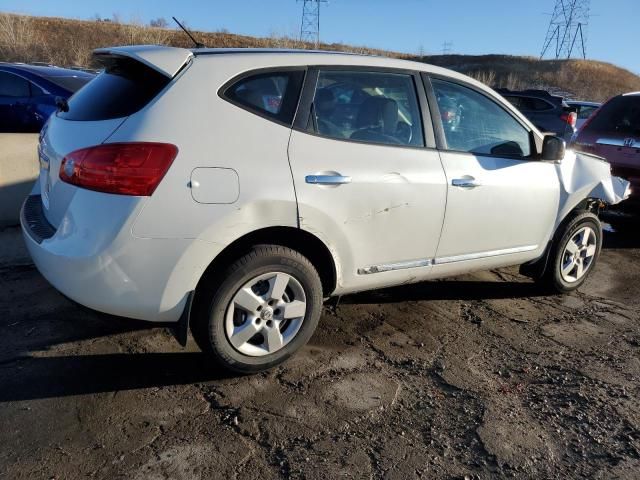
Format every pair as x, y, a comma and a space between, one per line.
535, 269
181, 329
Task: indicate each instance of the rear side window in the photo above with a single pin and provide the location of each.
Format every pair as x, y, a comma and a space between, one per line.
272, 94
122, 89
13, 86
372, 107
620, 115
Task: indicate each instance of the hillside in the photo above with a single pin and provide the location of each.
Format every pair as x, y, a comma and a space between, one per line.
70, 42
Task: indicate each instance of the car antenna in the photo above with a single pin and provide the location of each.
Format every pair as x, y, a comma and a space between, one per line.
195, 42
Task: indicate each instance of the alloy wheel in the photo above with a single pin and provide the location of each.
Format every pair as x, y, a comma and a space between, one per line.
578, 255
265, 314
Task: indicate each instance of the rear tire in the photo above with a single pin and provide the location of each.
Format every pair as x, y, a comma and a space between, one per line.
574, 253
260, 310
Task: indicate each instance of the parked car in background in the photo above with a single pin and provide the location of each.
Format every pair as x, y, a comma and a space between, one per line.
28, 94
613, 132
583, 109
234, 190
549, 113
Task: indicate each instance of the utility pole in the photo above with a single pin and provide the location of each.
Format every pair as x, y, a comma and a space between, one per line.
310, 24
567, 29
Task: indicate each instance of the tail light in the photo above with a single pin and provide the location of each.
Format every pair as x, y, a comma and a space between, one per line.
120, 168
570, 117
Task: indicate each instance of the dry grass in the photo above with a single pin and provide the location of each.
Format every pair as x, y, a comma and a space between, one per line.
581, 79
70, 42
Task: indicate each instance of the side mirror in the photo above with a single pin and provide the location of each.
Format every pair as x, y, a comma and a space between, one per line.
553, 148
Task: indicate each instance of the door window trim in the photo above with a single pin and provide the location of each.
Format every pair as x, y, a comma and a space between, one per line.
441, 140
303, 114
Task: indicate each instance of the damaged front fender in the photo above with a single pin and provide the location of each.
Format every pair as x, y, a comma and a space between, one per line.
585, 176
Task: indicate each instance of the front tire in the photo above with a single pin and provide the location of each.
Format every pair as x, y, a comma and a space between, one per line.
260, 311
574, 253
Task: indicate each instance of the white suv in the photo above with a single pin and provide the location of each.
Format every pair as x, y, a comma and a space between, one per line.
233, 190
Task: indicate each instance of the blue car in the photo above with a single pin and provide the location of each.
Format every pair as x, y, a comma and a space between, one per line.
28, 94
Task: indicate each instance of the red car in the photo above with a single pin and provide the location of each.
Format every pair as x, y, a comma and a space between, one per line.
613, 132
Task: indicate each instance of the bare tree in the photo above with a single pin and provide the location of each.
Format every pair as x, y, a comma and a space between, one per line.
19, 39
159, 22
136, 33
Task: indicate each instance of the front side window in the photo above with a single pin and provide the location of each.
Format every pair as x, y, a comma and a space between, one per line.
476, 124
273, 94
13, 85
374, 107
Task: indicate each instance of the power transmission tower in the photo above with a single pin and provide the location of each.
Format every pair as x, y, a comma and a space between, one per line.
567, 29
447, 48
310, 25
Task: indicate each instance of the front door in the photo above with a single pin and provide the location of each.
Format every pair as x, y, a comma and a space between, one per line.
365, 181
502, 201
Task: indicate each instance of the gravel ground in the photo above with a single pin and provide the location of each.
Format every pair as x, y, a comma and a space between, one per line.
481, 376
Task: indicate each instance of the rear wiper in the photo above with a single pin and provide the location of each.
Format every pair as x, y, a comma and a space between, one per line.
62, 104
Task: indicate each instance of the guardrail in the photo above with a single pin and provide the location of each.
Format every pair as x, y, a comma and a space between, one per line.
18, 170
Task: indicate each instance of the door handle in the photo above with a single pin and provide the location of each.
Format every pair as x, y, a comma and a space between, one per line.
327, 179
466, 182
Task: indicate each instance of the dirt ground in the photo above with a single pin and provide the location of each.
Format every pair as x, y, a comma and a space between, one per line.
481, 376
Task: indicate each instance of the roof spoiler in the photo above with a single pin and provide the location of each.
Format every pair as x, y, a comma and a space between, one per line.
166, 60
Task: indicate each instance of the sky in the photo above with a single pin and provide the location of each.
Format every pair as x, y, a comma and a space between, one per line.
515, 27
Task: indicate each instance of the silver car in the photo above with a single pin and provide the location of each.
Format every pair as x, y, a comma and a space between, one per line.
231, 191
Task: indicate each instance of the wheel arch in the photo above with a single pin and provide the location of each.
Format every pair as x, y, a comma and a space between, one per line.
536, 268
297, 239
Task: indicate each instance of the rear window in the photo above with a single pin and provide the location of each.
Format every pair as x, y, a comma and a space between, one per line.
530, 104
620, 115
122, 89
273, 95
69, 83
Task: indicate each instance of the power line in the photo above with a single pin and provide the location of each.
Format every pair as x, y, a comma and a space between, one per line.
310, 24
567, 29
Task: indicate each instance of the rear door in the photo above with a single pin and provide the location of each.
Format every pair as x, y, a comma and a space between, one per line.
368, 180
502, 202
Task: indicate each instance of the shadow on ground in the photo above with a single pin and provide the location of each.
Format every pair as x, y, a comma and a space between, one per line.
32, 366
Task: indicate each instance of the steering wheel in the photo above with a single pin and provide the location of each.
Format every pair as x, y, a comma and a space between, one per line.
404, 132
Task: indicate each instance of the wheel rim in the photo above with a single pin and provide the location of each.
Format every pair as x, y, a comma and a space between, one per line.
265, 314
578, 255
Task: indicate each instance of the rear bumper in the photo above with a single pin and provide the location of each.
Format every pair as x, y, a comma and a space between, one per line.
97, 262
